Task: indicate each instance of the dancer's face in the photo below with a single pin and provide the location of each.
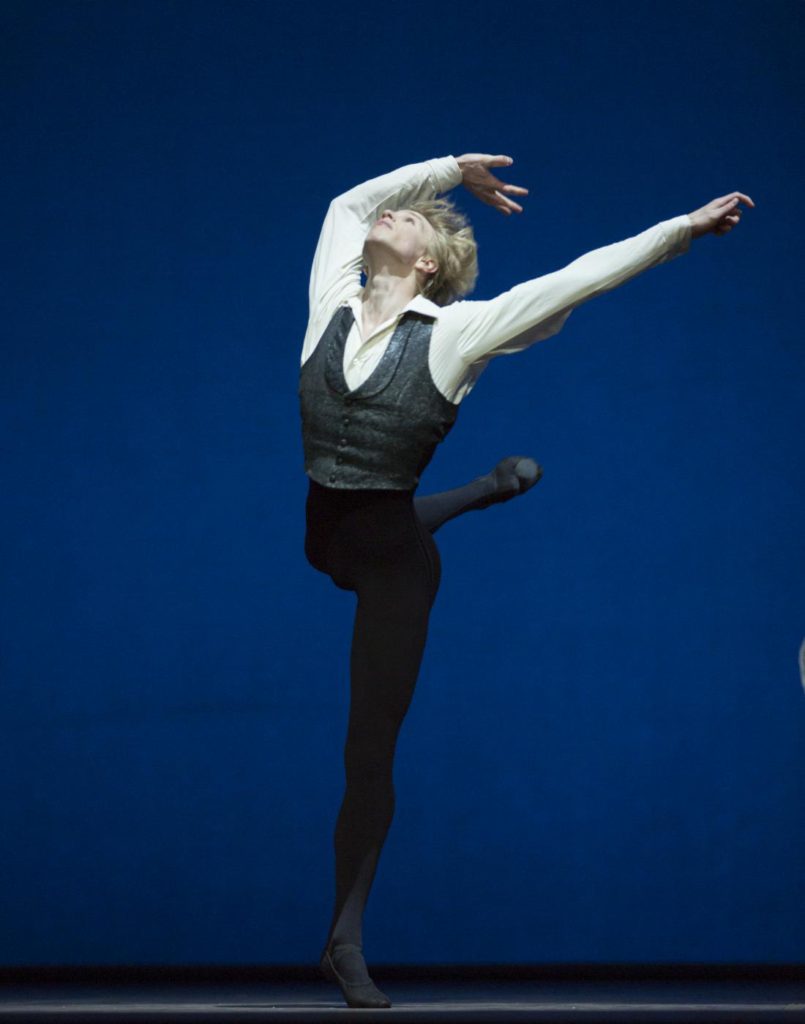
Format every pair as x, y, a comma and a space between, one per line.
400, 236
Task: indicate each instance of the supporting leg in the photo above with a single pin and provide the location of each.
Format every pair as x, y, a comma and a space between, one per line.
395, 595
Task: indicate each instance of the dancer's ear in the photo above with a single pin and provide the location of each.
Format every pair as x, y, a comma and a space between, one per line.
427, 264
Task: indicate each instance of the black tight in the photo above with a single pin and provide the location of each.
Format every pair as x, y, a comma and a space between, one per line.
379, 544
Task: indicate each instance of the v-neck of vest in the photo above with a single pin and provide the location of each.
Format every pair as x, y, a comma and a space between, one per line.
381, 375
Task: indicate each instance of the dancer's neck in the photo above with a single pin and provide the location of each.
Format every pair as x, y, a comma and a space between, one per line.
384, 295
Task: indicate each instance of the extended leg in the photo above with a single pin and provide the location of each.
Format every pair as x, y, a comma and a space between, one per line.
512, 476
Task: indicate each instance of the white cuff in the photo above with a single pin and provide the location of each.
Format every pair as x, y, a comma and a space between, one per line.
678, 231
445, 173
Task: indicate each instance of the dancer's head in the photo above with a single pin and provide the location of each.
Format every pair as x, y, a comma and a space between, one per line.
432, 237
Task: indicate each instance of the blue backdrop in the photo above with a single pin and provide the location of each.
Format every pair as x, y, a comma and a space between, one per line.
605, 756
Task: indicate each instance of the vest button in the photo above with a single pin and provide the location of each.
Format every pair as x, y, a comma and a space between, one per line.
342, 442
338, 458
332, 477
345, 421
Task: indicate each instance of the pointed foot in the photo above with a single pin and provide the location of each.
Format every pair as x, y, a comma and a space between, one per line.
513, 475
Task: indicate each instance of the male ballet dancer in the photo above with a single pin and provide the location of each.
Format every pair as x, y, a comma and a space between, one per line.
384, 368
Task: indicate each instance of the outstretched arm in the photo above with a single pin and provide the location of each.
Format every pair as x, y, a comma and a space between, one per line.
538, 308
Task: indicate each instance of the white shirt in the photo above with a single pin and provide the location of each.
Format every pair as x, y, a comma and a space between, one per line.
466, 334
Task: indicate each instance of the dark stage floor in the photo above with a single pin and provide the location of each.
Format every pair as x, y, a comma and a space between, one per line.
468, 994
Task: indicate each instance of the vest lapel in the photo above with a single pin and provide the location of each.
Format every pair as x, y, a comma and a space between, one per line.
334, 341
382, 374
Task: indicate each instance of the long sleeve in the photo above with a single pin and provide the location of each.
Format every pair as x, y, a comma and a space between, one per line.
538, 308
336, 271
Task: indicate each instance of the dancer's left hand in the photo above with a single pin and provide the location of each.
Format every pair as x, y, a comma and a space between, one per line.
719, 216
478, 179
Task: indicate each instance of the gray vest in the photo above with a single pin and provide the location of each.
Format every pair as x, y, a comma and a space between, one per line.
384, 433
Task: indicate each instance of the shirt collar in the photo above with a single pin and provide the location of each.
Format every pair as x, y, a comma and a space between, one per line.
419, 304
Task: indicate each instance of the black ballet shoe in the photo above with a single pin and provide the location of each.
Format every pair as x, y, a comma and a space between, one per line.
513, 475
358, 994
528, 472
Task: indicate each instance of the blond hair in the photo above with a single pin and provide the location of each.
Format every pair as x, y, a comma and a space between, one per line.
454, 249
